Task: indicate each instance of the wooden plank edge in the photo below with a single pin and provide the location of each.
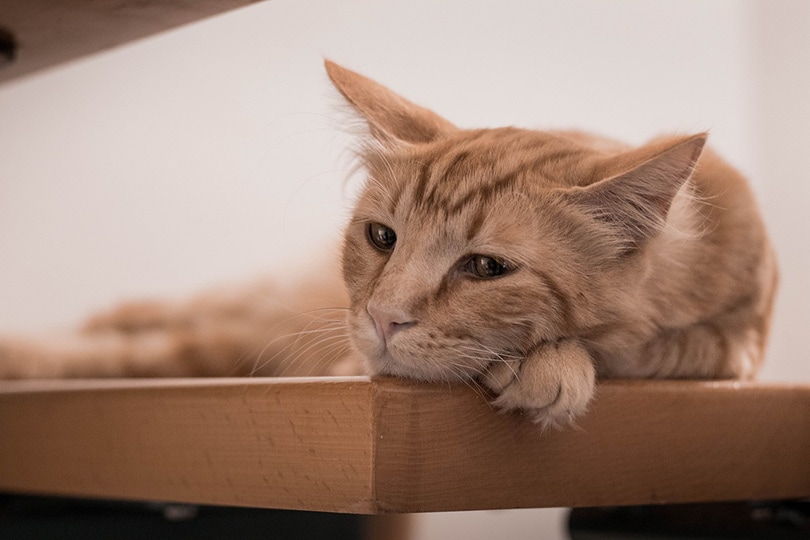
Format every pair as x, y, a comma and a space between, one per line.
413, 447
643, 442
275, 443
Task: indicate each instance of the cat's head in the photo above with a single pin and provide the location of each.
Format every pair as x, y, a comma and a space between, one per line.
470, 246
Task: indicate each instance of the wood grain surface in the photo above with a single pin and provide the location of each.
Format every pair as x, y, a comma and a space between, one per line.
381, 445
641, 443
279, 443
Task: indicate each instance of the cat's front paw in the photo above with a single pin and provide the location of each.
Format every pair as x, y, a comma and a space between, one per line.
553, 385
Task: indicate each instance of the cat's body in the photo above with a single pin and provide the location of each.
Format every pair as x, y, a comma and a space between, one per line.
530, 261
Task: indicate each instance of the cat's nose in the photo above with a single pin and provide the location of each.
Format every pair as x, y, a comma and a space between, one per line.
389, 320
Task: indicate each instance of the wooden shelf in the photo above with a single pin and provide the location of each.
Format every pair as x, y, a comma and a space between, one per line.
36, 34
380, 445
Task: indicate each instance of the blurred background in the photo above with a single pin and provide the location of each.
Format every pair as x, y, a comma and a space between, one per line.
215, 153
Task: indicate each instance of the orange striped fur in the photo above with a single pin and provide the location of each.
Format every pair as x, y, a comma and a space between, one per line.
625, 262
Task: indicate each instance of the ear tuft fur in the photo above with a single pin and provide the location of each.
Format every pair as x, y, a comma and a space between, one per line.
391, 118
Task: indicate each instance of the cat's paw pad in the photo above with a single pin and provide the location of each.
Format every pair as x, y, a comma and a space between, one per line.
553, 386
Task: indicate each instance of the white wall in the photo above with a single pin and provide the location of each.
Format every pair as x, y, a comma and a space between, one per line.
212, 153
781, 136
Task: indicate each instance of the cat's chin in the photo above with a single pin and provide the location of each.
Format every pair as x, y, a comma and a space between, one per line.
382, 363
386, 364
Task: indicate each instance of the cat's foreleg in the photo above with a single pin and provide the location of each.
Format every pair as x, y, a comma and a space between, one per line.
553, 385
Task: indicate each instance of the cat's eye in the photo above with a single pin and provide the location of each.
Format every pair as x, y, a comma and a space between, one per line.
485, 267
381, 237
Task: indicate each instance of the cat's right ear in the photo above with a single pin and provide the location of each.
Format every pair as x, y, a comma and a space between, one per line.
636, 202
391, 118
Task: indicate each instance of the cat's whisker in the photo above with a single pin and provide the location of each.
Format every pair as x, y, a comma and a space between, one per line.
283, 354
339, 351
329, 327
481, 352
273, 330
312, 328
296, 335
315, 360
291, 361
464, 377
318, 350
500, 354
515, 372
329, 358
327, 354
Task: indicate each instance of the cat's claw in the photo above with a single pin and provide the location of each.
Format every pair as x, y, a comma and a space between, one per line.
553, 386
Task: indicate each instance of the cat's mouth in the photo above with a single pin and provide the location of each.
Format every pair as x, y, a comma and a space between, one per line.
385, 364
382, 361
414, 354
424, 366
388, 365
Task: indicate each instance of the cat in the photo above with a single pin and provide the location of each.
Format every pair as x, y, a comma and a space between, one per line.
530, 262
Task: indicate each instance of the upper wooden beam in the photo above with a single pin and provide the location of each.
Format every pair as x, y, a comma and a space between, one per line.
376, 446
36, 34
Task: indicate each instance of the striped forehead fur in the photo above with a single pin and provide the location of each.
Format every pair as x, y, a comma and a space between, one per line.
473, 166
468, 170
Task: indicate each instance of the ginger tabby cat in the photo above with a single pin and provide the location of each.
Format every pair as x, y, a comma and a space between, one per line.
532, 262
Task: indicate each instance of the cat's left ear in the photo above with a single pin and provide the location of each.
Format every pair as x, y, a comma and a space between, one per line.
391, 118
636, 202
